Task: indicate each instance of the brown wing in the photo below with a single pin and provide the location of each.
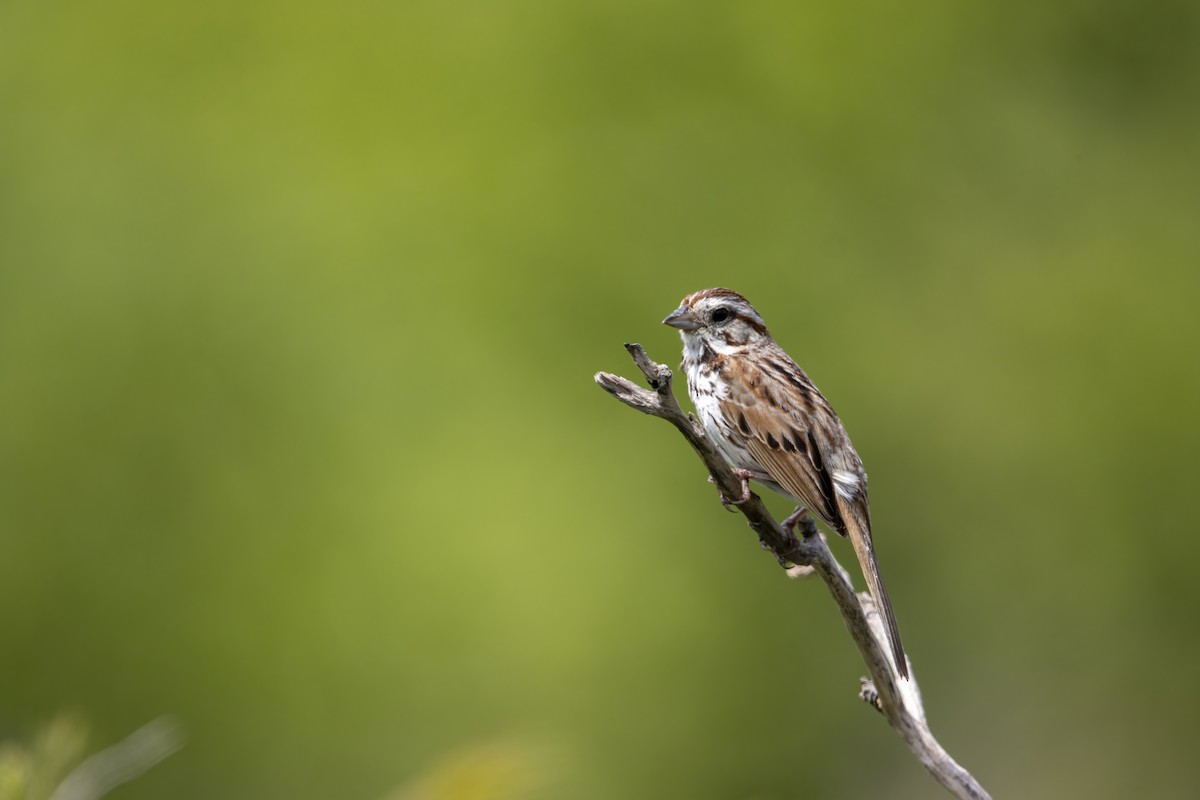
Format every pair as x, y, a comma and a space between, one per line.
778, 431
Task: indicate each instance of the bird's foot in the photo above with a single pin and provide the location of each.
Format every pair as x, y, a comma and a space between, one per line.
794, 518
800, 518
745, 476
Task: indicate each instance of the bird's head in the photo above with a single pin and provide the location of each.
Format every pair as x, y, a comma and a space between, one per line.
719, 318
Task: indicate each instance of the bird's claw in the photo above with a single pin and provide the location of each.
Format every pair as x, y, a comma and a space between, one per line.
802, 519
799, 518
744, 475
794, 518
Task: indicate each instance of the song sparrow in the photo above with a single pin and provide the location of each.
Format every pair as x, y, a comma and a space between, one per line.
774, 426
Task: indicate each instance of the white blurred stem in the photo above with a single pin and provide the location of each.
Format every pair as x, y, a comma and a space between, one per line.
139, 751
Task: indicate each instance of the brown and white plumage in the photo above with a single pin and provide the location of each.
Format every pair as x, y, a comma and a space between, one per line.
767, 418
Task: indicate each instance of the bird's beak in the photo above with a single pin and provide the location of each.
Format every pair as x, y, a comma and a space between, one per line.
682, 318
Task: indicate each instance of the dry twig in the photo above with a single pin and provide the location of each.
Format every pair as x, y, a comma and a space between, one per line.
897, 699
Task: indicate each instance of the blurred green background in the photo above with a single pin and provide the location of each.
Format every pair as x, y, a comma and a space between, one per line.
299, 309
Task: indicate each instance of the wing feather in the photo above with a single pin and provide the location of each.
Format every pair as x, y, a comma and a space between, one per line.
780, 439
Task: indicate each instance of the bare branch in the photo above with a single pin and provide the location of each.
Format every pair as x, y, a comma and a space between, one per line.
899, 700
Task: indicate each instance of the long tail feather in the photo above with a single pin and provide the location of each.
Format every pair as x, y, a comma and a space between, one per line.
860, 538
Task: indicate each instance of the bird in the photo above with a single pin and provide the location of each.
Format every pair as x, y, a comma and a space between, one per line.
773, 426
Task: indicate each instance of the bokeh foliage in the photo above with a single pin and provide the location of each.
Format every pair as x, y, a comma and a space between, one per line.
299, 307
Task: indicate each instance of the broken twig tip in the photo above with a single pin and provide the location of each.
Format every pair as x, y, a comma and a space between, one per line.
869, 694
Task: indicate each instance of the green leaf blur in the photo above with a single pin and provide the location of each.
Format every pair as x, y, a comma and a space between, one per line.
299, 309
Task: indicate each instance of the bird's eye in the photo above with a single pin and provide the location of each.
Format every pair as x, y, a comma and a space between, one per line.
721, 315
